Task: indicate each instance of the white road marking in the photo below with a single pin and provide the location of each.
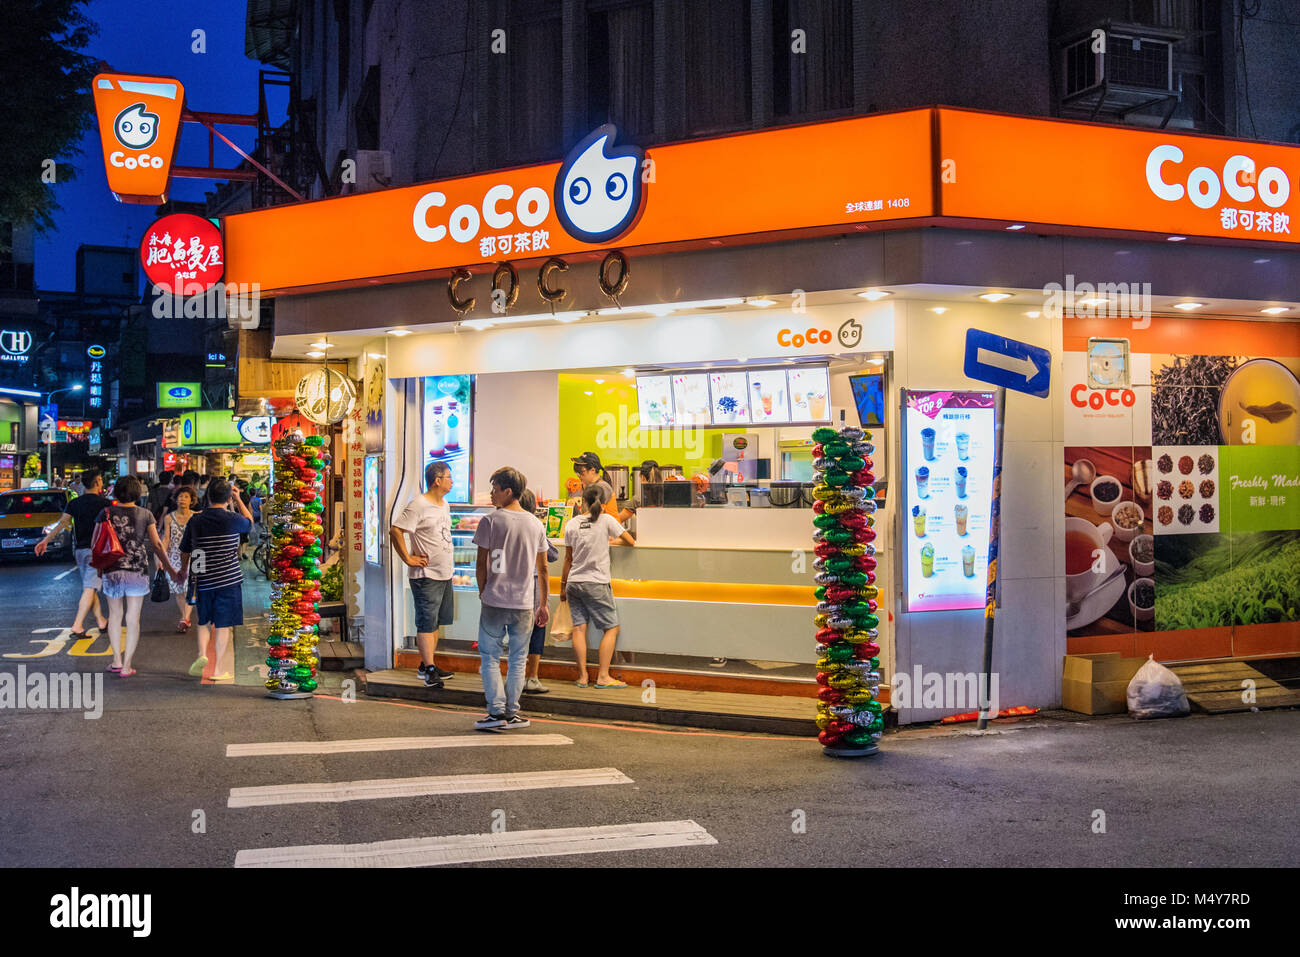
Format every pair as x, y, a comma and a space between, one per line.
417, 787
258, 749
64, 574
466, 848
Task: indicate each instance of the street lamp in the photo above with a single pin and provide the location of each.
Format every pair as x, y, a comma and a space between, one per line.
49, 446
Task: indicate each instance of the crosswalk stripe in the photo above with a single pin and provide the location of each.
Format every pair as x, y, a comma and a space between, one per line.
62, 575
469, 848
416, 787
258, 749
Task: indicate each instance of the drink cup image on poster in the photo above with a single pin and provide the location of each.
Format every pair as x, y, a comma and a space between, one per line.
769, 399
947, 455
654, 399
809, 394
691, 398
730, 398
448, 428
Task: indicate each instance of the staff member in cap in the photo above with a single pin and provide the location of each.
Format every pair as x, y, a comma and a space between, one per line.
591, 473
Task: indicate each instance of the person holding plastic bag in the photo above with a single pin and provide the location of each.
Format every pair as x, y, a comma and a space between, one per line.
585, 583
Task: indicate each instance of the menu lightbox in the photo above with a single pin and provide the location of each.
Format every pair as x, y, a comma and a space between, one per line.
947, 466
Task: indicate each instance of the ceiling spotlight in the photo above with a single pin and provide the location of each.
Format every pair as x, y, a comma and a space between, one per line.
938, 310
1260, 262
629, 372
585, 392
598, 381
322, 345
875, 362
316, 354
399, 332
1094, 301
1188, 306
376, 355
1034, 314
1016, 226
761, 303
1275, 310
995, 296
1177, 239
871, 295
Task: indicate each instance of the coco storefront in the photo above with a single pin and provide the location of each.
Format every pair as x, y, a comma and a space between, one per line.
890, 236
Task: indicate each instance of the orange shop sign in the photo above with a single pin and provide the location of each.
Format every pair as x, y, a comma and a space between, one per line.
139, 119
1023, 170
820, 176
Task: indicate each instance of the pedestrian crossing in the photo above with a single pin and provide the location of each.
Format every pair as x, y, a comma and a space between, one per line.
440, 850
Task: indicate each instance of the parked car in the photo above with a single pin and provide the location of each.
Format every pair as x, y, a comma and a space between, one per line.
27, 515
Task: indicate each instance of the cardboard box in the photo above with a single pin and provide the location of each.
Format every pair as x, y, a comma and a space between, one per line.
1097, 684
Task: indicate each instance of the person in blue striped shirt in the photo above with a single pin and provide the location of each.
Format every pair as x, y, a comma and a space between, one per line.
210, 551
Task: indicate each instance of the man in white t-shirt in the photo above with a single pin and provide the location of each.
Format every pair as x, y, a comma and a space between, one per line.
427, 519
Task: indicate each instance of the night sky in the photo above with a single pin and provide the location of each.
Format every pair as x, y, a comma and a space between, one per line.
153, 36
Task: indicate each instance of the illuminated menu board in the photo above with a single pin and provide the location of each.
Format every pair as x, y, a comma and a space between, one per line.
796, 396
947, 467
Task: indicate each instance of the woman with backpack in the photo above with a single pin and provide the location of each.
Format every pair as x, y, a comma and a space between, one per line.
126, 583
585, 583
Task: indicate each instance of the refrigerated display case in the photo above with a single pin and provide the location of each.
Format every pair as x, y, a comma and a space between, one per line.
464, 521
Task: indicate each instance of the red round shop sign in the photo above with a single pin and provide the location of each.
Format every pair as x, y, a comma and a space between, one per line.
183, 254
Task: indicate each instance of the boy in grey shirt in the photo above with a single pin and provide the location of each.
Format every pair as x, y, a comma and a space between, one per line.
512, 583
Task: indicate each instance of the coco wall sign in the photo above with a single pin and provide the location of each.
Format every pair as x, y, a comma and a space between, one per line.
139, 119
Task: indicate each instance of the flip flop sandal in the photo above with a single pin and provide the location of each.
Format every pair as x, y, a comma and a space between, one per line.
617, 684
113, 669
126, 673
78, 634
581, 684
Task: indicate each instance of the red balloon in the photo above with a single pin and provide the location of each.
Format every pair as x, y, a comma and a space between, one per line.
298, 462
305, 539
307, 475
304, 607
823, 679
280, 652
292, 551
830, 695
828, 636
282, 563
868, 649
291, 574
826, 550
870, 534
312, 618
853, 520
839, 727
307, 495
818, 451
830, 740
865, 563
818, 506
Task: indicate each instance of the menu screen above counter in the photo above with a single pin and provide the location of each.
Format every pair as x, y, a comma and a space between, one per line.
947, 467
795, 396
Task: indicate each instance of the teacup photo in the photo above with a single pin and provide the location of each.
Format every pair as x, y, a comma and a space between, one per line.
1142, 599
1083, 541
1127, 518
1106, 493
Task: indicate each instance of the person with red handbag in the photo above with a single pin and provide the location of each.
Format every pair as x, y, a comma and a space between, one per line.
126, 580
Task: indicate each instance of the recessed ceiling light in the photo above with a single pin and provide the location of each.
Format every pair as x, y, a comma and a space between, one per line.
1260, 262
1033, 314
399, 332
761, 303
598, 381
376, 355
585, 392
1017, 226
871, 295
322, 345
1177, 239
1188, 306
875, 362
1275, 310
1094, 301
995, 296
316, 354
938, 310
629, 372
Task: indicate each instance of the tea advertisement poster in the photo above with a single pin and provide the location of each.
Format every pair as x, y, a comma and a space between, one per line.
1183, 495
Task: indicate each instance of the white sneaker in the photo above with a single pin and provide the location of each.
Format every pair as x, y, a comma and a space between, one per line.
490, 721
534, 686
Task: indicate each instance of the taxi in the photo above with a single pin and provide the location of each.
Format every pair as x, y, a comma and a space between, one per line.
27, 515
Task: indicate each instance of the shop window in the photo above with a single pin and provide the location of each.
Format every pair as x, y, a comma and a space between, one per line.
812, 56
717, 66
620, 68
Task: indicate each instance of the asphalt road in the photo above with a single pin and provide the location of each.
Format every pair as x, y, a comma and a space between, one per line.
125, 789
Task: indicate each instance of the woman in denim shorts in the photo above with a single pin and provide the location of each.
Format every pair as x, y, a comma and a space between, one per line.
585, 583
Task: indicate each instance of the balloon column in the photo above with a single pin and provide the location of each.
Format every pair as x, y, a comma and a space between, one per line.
295, 507
848, 669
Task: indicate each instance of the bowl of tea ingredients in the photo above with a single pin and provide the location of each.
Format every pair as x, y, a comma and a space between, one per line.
1142, 599
1127, 519
1142, 555
1106, 491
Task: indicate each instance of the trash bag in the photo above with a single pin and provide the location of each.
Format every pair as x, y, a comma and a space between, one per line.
1156, 692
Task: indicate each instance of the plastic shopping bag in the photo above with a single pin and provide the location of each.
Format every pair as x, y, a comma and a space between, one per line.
1156, 692
562, 623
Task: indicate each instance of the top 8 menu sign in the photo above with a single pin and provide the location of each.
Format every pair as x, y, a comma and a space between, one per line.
948, 451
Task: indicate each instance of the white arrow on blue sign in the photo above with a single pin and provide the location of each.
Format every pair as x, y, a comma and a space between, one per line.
1008, 363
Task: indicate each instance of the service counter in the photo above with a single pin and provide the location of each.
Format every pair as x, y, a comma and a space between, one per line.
707, 584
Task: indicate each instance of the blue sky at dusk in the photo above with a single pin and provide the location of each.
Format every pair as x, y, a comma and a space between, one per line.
145, 36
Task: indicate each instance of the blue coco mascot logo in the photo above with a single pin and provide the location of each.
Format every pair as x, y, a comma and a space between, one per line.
598, 189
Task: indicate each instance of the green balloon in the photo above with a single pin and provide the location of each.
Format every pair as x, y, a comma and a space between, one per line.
824, 435
853, 579
852, 463
317, 464
314, 440
307, 685
311, 573
839, 536
827, 521
313, 551
836, 478
859, 738
305, 562
837, 565
840, 651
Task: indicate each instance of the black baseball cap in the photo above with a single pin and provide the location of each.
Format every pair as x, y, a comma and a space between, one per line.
588, 459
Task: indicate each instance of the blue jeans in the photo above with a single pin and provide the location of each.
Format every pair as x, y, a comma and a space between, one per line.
514, 627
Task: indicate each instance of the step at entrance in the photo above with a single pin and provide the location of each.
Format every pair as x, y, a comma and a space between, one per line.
1216, 687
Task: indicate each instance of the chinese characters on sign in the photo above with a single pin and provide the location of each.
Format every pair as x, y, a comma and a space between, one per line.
182, 254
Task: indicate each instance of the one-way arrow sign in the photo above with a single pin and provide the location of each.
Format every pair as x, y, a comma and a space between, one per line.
1008, 363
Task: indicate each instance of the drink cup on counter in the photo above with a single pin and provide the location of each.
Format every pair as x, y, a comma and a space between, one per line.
927, 444
960, 513
927, 560
923, 482
918, 520
968, 561
963, 445
960, 482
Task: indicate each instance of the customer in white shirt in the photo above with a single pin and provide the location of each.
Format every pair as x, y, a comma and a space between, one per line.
585, 583
427, 519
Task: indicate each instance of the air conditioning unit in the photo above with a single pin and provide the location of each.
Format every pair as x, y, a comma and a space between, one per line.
372, 170
1118, 69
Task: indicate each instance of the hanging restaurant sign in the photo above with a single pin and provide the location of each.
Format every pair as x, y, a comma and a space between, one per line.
182, 254
139, 119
